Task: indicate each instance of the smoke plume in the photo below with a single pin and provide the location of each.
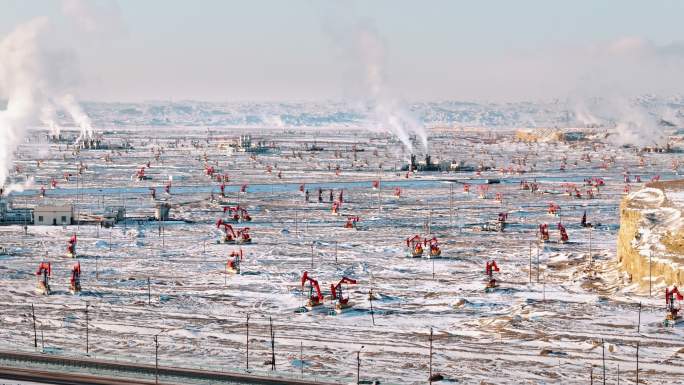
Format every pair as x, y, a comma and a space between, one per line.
628, 122
360, 46
389, 112
34, 78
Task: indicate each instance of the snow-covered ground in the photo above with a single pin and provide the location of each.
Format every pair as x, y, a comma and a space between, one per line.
541, 326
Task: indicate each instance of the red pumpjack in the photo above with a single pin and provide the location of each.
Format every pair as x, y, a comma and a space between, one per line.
672, 310
238, 213
435, 251
233, 265
75, 281
415, 246
351, 222
243, 235
71, 247
140, 174
544, 232
209, 170
554, 209
44, 273
501, 221
563, 234
315, 299
490, 268
336, 290
229, 234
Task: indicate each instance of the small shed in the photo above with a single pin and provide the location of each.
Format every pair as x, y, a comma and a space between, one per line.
53, 215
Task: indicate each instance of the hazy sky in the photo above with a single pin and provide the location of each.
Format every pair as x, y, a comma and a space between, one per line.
225, 50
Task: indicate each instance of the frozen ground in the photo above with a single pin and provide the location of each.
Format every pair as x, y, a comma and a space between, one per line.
541, 326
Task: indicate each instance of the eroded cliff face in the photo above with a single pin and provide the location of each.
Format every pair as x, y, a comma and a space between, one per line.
651, 226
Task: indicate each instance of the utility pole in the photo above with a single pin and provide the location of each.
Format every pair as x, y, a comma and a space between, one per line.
603, 357
370, 298
273, 363
247, 341
433, 268
156, 359
149, 294
591, 257
637, 363
87, 327
336, 252
162, 227
430, 375
35, 332
358, 366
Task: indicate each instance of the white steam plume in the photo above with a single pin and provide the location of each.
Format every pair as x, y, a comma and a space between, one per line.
80, 118
19, 187
21, 72
390, 113
34, 77
628, 122
48, 116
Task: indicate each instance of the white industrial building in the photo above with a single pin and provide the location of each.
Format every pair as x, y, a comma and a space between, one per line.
53, 215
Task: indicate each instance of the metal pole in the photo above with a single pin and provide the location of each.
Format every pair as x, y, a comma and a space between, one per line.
430, 375
370, 298
591, 257
335, 252
149, 294
273, 363
433, 268
637, 363
87, 331
156, 360
247, 341
35, 332
639, 320
358, 367
312, 255
603, 357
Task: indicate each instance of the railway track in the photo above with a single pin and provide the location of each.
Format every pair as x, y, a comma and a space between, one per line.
62, 370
